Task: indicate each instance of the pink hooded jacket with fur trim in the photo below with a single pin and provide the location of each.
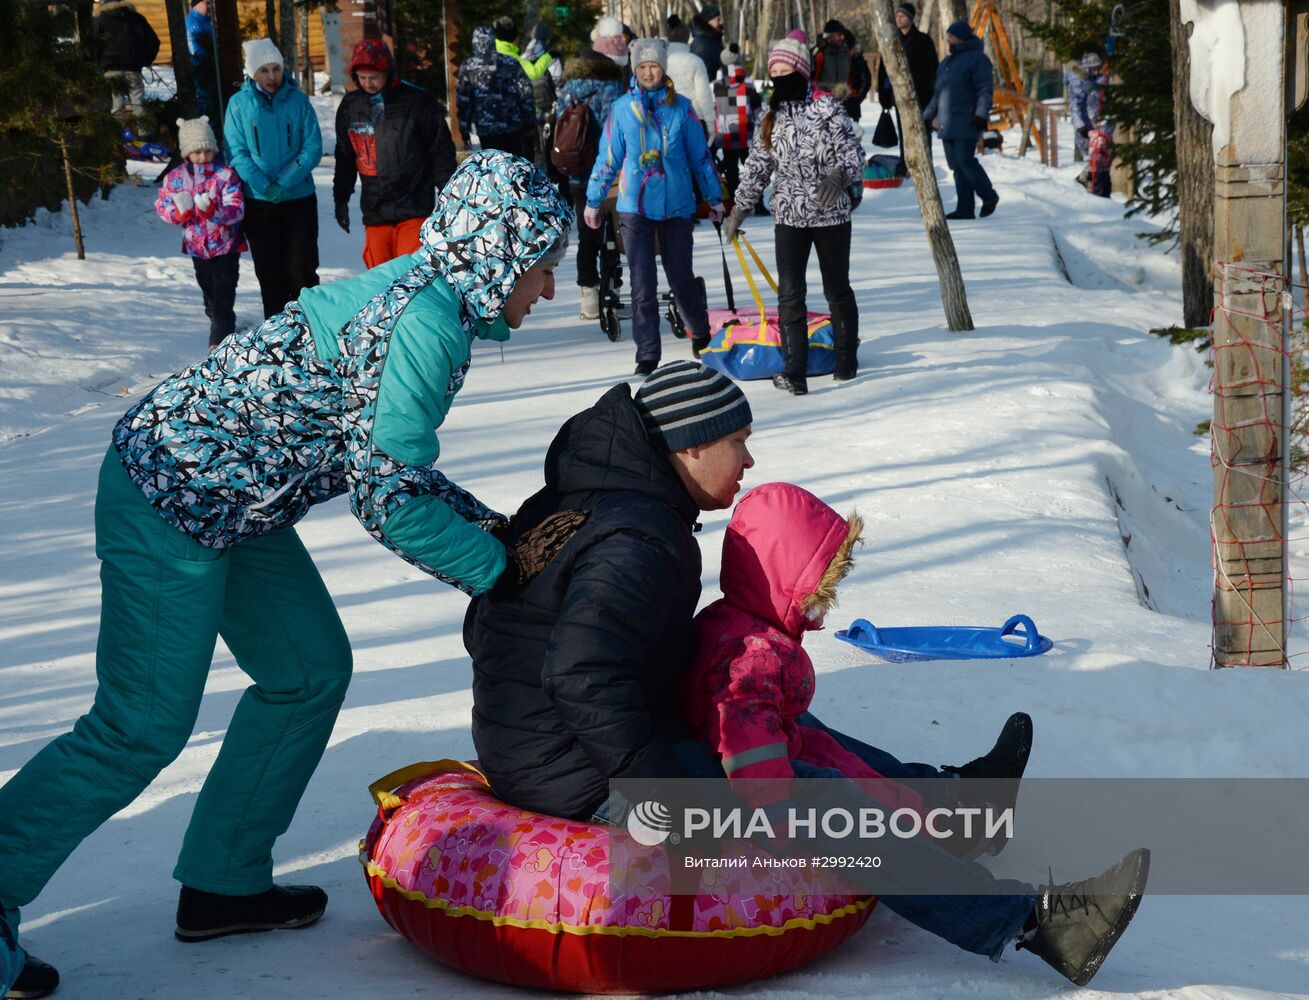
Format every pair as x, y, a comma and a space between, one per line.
751, 677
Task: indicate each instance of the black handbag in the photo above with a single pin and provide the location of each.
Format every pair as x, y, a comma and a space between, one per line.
884, 134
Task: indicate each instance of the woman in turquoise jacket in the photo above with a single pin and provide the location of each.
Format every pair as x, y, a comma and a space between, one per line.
342, 393
655, 145
271, 139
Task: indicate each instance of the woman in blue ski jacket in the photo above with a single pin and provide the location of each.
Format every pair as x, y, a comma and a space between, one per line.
271, 139
654, 144
341, 393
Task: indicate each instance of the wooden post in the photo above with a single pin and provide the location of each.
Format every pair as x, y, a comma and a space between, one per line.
919, 161
450, 30
1249, 422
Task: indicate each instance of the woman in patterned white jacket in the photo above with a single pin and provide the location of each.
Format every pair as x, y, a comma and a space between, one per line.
806, 145
343, 392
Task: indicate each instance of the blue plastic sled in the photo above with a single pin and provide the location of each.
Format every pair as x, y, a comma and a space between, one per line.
907, 645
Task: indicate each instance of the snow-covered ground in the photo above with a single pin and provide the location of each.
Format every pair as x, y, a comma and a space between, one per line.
998, 471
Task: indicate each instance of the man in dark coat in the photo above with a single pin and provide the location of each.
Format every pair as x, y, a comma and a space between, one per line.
575, 676
124, 44
494, 96
840, 67
920, 52
707, 39
392, 135
960, 108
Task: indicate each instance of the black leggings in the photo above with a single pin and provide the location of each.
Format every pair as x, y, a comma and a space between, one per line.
283, 238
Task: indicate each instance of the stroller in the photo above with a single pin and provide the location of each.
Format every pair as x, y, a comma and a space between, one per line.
615, 311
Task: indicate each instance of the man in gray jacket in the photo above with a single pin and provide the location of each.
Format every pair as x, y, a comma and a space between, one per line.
960, 108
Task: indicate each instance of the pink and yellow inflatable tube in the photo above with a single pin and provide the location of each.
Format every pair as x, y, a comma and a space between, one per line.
523, 898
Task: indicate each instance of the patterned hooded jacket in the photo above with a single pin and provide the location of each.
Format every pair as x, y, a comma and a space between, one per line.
345, 390
493, 94
751, 679
594, 80
211, 235
811, 139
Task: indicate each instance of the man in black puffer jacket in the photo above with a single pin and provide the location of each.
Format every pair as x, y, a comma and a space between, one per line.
393, 136
575, 676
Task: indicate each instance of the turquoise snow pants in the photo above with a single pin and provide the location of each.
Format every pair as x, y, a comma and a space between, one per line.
165, 599
11, 956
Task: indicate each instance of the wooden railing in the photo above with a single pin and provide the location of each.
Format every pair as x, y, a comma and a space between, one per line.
1009, 109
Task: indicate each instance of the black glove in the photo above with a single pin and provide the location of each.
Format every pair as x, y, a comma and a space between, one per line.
980, 123
1084, 131
343, 215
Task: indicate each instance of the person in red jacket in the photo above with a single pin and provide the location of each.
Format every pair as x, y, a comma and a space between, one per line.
394, 137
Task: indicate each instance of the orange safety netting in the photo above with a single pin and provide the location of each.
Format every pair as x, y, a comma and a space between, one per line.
1257, 439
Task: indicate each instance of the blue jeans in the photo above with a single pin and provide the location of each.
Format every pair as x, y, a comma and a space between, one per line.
982, 924
675, 247
970, 178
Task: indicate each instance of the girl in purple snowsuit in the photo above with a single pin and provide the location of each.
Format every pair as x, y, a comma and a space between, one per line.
203, 196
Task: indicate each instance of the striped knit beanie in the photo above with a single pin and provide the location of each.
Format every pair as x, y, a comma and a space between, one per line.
685, 404
791, 53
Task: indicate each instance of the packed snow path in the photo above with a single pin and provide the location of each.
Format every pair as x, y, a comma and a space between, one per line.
1044, 463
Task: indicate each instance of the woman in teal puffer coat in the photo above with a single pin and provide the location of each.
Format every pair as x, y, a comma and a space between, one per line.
655, 145
271, 138
342, 393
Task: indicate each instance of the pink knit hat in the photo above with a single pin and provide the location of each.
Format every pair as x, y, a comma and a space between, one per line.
791, 53
798, 35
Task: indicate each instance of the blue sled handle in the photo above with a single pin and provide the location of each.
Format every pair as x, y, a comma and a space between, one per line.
862, 630
1029, 628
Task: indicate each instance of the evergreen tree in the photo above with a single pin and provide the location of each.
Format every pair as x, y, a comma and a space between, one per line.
55, 98
1137, 45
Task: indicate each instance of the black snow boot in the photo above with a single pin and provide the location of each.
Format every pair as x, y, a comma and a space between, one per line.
795, 386
1076, 924
37, 979
205, 915
992, 781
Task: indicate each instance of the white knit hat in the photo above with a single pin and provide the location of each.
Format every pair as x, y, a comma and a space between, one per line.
606, 27
259, 52
194, 134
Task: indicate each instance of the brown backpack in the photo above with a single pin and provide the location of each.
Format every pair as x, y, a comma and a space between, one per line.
575, 142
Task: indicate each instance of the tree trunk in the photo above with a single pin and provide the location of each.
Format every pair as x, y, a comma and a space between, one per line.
270, 19
72, 196
1195, 185
286, 36
182, 75
917, 157
306, 64
763, 38
946, 8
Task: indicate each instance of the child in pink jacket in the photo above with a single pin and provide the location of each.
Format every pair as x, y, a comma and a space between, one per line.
204, 197
748, 690
784, 553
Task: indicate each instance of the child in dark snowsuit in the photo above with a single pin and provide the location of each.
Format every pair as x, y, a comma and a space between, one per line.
747, 693
203, 196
